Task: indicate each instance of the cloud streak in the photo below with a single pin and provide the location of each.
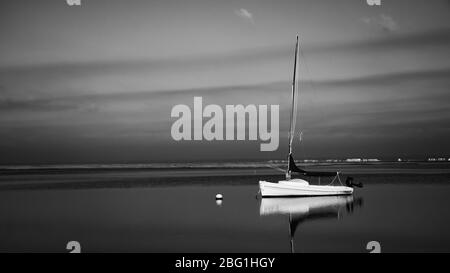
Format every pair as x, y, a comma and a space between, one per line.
436, 38
245, 14
438, 78
383, 22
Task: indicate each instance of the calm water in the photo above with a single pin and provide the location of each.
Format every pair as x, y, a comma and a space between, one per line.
146, 211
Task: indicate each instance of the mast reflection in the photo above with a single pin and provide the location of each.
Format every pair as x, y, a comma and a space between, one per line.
303, 209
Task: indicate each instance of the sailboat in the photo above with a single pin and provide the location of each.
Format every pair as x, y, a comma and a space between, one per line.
297, 186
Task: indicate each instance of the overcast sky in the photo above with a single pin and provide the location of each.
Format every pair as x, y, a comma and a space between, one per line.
96, 83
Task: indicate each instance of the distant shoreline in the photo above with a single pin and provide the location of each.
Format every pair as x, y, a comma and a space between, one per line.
214, 165
226, 168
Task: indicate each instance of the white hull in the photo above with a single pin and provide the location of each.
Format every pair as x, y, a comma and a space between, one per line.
298, 187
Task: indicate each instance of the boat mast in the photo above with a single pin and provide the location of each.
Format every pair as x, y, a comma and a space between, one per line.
292, 125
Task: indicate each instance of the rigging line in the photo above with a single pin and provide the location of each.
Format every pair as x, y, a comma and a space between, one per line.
309, 78
307, 69
314, 93
332, 181
338, 179
275, 168
302, 145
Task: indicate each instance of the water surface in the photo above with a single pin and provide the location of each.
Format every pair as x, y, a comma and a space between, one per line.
148, 211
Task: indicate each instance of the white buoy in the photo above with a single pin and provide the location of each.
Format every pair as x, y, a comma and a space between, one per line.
219, 202
219, 196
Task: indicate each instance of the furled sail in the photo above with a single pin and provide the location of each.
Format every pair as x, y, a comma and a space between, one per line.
293, 117
295, 169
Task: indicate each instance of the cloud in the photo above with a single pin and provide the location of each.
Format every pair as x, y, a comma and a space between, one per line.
245, 14
383, 22
356, 115
47, 104
392, 78
436, 38
438, 78
432, 38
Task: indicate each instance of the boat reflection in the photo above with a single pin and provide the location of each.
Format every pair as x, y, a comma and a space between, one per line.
303, 209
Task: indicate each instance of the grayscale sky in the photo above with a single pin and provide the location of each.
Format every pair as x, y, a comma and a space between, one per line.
96, 83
